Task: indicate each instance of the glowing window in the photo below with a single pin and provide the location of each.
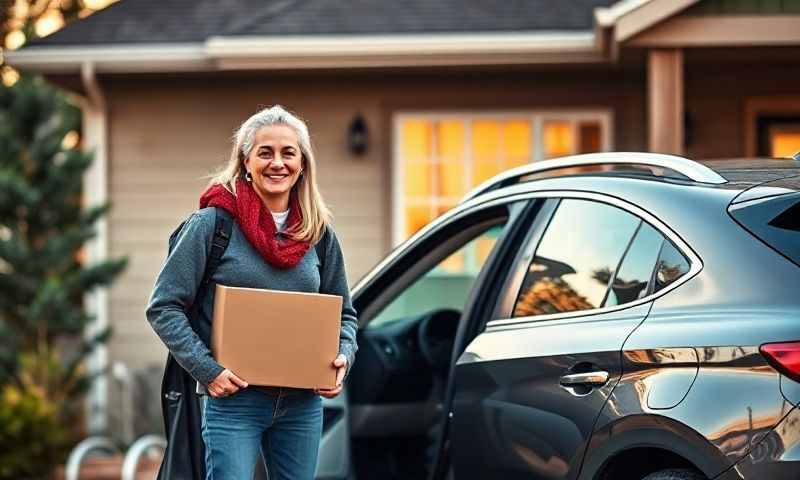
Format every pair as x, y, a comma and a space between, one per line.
441, 157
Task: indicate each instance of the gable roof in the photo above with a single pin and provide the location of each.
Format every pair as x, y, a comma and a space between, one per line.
137, 22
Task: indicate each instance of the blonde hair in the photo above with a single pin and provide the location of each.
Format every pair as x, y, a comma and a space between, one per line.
316, 215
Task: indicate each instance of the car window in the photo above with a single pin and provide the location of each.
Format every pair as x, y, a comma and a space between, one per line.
672, 265
633, 277
447, 284
576, 258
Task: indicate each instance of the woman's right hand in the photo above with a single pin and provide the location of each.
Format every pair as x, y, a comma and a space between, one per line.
226, 383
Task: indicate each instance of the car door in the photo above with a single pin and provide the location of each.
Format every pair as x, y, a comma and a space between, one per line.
528, 388
393, 401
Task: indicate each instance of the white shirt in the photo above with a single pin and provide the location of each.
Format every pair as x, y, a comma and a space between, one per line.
280, 219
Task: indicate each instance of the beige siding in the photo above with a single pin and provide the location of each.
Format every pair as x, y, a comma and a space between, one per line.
167, 133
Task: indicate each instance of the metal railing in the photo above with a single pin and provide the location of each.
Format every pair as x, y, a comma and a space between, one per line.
139, 448
142, 446
82, 451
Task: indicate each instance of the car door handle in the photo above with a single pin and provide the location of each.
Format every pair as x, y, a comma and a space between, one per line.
594, 379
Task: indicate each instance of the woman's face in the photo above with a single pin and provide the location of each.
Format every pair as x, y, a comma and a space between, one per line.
275, 162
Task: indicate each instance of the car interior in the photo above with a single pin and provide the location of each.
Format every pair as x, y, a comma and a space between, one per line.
396, 388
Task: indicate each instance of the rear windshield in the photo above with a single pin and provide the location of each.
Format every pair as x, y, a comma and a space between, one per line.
775, 220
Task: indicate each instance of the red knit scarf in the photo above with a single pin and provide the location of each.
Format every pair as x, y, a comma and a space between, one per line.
256, 221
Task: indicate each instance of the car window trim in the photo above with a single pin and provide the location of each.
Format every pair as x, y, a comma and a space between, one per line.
695, 262
619, 264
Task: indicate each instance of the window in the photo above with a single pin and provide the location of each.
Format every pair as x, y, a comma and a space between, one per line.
441, 157
772, 126
576, 258
632, 279
776, 221
779, 136
446, 285
671, 266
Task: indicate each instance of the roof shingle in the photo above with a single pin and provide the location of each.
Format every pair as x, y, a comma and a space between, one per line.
188, 21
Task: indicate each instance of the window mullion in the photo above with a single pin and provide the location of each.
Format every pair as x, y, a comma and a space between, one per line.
538, 138
433, 161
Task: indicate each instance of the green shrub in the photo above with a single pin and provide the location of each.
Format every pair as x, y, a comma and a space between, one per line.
32, 437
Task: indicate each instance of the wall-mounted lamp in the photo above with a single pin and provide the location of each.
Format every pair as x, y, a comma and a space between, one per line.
358, 136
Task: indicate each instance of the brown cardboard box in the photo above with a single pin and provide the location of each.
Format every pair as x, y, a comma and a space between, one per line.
270, 337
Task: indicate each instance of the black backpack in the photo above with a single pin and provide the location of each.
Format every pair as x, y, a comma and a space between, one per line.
184, 457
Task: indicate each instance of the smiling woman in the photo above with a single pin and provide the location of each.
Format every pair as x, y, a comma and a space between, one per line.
269, 189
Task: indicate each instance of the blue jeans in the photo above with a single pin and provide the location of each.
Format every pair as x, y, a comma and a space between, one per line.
284, 423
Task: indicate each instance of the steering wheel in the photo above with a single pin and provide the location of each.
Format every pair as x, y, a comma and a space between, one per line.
436, 335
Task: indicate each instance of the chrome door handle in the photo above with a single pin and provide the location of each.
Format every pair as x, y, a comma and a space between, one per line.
594, 379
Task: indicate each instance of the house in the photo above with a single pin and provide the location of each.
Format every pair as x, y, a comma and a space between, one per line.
447, 92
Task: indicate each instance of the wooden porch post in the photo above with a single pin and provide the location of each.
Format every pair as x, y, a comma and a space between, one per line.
665, 100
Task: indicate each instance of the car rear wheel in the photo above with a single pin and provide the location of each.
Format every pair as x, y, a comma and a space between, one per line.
675, 474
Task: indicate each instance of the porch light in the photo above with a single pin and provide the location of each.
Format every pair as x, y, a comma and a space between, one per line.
358, 136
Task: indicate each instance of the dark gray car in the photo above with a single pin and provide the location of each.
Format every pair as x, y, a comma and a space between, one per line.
607, 316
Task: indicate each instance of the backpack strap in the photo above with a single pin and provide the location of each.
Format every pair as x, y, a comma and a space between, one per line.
223, 226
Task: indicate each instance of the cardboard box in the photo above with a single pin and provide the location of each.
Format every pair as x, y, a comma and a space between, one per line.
277, 338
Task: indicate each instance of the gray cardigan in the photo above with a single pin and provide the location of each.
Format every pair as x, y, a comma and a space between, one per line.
240, 266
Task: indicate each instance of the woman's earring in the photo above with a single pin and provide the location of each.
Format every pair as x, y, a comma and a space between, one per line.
249, 177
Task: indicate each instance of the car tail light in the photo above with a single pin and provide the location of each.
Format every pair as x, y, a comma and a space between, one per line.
784, 357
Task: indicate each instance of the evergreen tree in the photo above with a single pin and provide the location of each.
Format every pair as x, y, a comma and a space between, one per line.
44, 226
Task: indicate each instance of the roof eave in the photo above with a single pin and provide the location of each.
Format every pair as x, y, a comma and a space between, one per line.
330, 51
165, 57
628, 18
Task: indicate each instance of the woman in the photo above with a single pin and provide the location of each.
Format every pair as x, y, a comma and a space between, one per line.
269, 187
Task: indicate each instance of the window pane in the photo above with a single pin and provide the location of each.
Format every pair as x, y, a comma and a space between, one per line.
418, 179
784, 140
444, 207
454, 264
416, 141
485, 139
485, 150
558, 139
447, 285
450, 141
484, 170
516, 143
483, 248
589, 141
634, 274
451, 179
416, 218
576, 258
672, 265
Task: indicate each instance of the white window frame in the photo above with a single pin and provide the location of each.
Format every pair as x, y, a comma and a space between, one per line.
537, 118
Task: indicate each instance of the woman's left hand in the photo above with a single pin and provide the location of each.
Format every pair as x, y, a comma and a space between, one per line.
341, 367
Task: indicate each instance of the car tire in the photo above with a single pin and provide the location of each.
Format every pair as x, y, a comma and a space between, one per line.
675, 474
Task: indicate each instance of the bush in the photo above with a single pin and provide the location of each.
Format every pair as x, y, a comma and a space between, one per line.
32, 437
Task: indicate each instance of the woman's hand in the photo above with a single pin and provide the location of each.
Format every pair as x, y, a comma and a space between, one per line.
226, 383
341, 367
